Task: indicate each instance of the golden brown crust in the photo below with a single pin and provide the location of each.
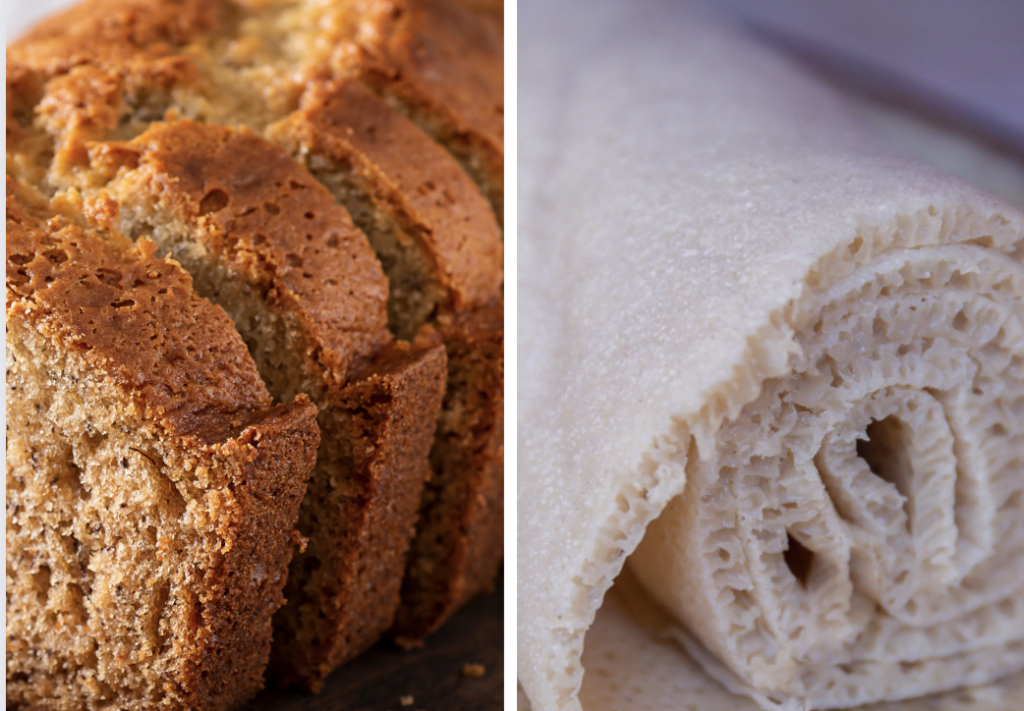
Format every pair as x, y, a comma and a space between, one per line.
443, 60
177, 360
260, 212
86, 69
344, 589
132, 315
459, 538
231, 640
127, 37
84, 100
83, 83
408, 176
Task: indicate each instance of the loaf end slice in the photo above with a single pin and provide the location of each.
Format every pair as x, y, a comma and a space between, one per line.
152, 491
359, 515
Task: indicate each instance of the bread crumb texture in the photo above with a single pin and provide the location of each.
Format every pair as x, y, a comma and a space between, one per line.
151, 487
215, 206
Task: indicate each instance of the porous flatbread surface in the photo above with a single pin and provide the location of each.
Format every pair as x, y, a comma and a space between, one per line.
768, 366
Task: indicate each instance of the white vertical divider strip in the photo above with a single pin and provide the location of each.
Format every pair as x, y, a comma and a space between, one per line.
511, 344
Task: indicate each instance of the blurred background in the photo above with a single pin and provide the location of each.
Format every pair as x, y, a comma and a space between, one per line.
940, 80
957, 55
20, 14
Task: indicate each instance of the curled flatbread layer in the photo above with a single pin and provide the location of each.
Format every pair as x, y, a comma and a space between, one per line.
865, 514
778, 369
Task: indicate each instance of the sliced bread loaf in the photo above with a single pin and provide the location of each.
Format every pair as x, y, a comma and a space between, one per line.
267, 242
152, 490
441, 249
96, 101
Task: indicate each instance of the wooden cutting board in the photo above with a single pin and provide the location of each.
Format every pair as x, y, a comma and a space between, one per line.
433, 676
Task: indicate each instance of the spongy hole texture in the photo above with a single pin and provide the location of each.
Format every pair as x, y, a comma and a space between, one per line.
798, 559
884, 451
102, 530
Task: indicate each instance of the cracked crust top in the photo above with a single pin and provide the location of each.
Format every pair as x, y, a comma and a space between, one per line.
116, 34
133, 316
263, 214
446, 58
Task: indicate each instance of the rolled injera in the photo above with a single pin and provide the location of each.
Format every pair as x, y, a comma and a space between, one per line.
776, 367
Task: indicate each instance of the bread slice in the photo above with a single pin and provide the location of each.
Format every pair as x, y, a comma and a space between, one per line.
440, 245
344, 590
261, 237
442, 63
458, 547
431, 228
151, 489
266, 241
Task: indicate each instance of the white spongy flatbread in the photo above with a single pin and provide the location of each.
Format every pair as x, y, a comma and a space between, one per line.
632, 663
682, 191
